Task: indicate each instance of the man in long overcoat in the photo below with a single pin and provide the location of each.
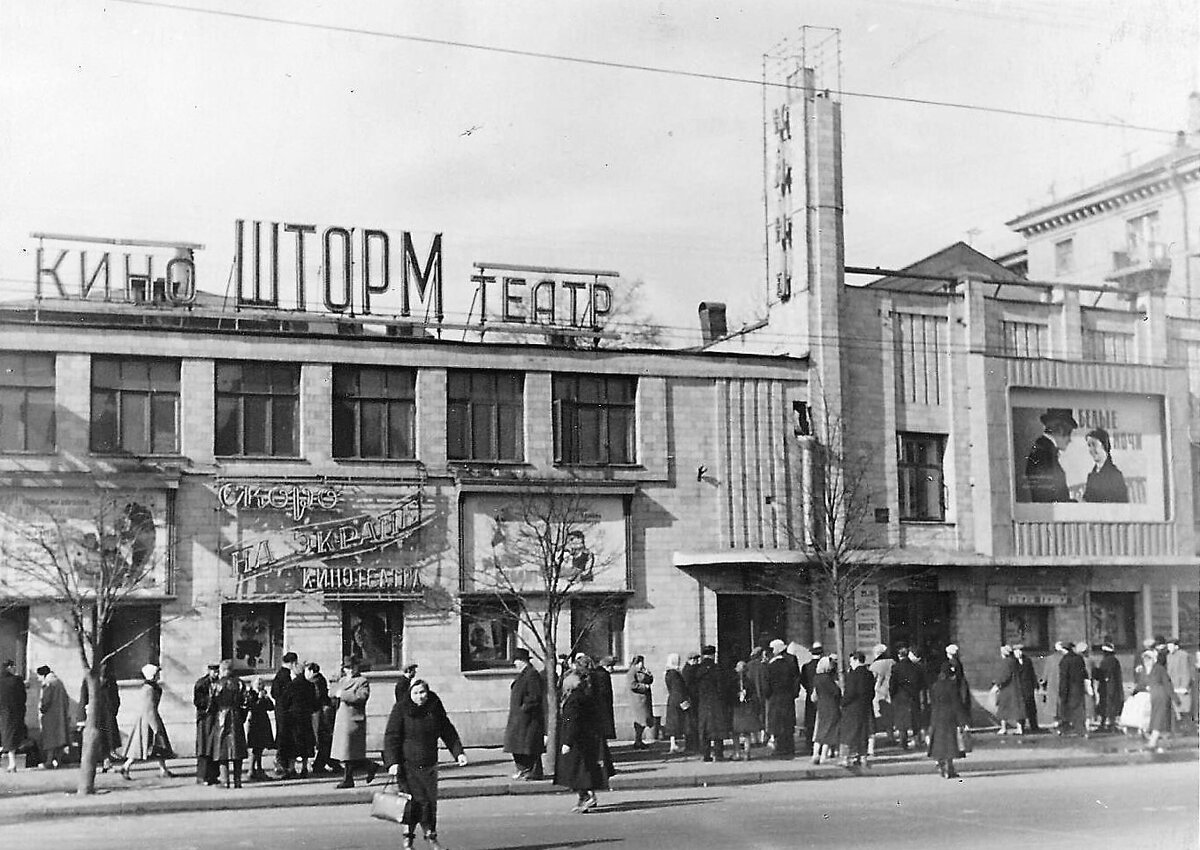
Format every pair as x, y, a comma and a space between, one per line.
1028, 685
1112, 691
1009, 708
908, 696
855, 726
1050, 671
283, 678
808, 678
782, 688
601, 678
1072, 673
54, 708
524, 734
711, 691
208, 771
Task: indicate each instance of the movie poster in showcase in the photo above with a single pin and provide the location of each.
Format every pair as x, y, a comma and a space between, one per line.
1088, 457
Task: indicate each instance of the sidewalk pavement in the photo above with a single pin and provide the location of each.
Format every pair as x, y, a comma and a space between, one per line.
35, 794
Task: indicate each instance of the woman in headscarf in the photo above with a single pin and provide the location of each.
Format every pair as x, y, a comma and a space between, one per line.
410, 750
149, 740
747, 710
826, 737
580, 762
675, 718
947, 715
1162, 694
641, 703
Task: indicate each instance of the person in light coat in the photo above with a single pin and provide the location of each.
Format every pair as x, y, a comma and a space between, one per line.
149, 739
349, 745
1179, 668
54, 708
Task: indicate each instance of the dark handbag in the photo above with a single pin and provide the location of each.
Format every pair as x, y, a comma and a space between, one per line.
390, 805
964, 739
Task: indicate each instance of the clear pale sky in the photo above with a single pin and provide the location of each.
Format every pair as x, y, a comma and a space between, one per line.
128, 120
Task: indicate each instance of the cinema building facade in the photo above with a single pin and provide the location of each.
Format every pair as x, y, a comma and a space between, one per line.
333, 488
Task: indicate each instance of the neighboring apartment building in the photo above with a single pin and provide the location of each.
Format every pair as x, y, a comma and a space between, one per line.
943, 378
319, 487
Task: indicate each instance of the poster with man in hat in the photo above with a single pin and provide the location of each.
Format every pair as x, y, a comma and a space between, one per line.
1044, 474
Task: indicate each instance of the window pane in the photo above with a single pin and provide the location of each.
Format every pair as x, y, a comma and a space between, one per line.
371, 429
229, 427
12, 426
373, 633
620, 435
590, 390
135, 374
229, 377
164, 375
106, 374
284, 435
401, 430
164, 421
458, 385
510, 386
255, 412
482, 431
39, 418
284, 378
587, 435
104, 421
456, 431
136, 629
345, 428
488, 639
345, 381
256, 378
1026, 625
371, 383
39, 370
511, 442
252, 635
134, 424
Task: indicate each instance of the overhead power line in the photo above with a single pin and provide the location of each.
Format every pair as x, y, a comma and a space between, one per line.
630, 66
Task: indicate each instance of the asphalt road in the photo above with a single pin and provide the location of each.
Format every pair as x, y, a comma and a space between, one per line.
1124, 808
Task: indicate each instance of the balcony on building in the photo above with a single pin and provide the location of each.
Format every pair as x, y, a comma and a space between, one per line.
1145, 267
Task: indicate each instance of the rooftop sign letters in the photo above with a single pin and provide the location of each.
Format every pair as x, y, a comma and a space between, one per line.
327, 269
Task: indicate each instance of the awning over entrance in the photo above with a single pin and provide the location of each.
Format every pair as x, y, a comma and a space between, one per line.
738, 558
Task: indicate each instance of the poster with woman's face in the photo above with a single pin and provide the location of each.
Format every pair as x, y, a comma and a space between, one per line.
1087, 457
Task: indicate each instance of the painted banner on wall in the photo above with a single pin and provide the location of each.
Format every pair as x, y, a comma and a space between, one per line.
1087, 457
81, 527
501, 550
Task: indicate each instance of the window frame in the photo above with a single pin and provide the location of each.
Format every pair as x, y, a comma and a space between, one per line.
393, 614
21, 387
1045, 623
123, 666
1064, 257
1108, 346
402, 404
474, 614
1018, 335
607, 611
1125, 599
908, 485
467, 414
241, 395
275, 614
571, 405
146, 397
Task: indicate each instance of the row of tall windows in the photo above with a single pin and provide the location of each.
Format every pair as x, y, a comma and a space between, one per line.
136, 410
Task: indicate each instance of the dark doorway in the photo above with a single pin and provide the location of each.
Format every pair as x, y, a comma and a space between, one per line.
745, 620
921, 618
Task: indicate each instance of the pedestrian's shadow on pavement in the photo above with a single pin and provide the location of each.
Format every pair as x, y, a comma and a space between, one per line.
638, 805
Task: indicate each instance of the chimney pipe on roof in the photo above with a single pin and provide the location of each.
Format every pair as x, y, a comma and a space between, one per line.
712, 321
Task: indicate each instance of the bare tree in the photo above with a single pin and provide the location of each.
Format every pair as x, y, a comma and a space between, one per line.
630, 318
89, 564
844, 546
540, 562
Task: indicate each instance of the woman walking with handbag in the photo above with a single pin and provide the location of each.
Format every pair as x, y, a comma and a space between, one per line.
410, 744
149, 740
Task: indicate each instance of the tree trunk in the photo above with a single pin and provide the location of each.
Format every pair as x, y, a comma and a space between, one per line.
552, 716
839, 631
89, 753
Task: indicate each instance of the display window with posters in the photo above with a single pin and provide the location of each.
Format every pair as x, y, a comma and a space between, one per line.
1088, 457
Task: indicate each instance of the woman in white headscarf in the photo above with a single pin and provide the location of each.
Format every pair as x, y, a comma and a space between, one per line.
675, 719
149, 740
